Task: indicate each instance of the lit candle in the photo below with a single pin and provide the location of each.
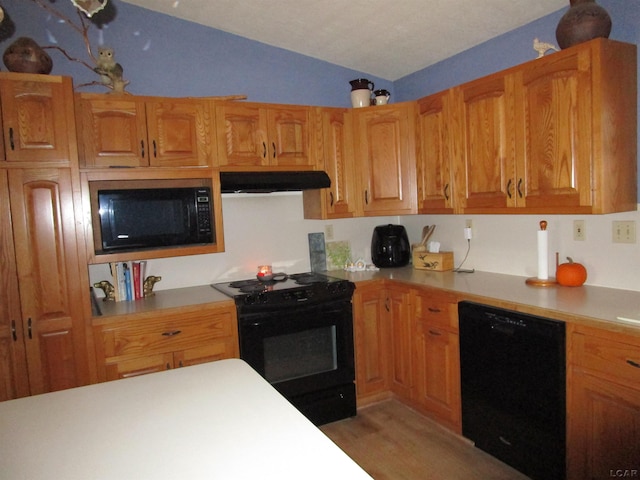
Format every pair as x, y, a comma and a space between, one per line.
265, 272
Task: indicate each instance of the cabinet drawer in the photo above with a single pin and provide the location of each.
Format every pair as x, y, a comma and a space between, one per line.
439, 310
166, 335
616, 359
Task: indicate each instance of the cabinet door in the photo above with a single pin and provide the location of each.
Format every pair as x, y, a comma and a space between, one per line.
206, 353
398, 304
371, 333
604, 437
13, 366
555, 164
180, 132
385, 152
37, 115
242, 135
334, 146
51, 294
436, 357
486, 176
289, 136
139, 366
113, 131
435, 156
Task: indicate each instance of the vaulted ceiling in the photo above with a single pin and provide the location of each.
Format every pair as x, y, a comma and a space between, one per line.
383, 38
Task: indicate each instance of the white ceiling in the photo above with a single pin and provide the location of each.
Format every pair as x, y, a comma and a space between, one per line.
387, 39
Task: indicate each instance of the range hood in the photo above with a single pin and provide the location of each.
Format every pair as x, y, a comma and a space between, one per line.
267, 182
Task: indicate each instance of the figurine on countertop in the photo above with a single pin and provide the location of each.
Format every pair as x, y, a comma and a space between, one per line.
148, 284
107, 288
543, 47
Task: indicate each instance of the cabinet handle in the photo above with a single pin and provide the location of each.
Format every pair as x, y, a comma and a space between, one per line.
331, 198
172, 333
29, 328
386, 305
14, 333
366, 197
519, 188
273, 145
142, 148
13, 147
434, 333
155, 150
264, 150
509, 188
434, 310
633, 364
168, 366
446, 192
180, 364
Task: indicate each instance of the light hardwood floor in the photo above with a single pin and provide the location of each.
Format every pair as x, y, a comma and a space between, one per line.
393, 442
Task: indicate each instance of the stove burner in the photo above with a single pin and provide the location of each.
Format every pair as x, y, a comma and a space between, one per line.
244, 283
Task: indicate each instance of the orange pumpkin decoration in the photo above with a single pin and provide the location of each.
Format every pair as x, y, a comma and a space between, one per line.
571, 274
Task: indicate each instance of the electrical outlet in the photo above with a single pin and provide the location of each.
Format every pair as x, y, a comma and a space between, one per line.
624, 231
579, 232
468, 229
328, 232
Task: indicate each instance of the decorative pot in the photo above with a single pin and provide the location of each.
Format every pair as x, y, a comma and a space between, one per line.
584, 21
26, 56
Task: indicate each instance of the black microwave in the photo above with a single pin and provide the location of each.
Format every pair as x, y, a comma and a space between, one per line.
136, 219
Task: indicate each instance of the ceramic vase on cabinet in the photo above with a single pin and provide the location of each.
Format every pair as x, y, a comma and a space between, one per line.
361, 89
584, 21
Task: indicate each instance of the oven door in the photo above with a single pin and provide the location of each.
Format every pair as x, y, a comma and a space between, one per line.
300, 349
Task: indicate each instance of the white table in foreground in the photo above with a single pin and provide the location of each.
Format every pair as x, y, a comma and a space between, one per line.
217, 420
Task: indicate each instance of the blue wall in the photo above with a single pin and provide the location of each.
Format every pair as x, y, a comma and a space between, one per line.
165, 56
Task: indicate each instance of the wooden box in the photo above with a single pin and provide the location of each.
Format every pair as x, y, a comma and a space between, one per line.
438, 262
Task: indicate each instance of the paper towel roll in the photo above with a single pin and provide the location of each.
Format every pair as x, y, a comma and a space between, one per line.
543, 255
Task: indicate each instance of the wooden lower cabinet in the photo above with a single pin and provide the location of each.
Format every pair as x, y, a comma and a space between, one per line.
603, 416
436, 357
139, 344
398, 305
371, 336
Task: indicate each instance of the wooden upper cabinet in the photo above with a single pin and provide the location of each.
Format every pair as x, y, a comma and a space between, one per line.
555, 156
51, 284
263, 135
435, 154
37, 118
385, 158
127, 131
554, 135
486, 164
334, 145
578, 114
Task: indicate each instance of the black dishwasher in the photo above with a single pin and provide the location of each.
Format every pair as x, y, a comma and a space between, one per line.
513, 388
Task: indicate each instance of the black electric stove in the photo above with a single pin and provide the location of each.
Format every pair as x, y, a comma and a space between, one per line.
286, 290
297, 332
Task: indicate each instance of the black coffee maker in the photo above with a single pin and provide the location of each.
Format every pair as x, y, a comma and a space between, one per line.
390, 246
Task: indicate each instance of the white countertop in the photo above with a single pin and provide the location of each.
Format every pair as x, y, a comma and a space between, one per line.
600, 306
218, 420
